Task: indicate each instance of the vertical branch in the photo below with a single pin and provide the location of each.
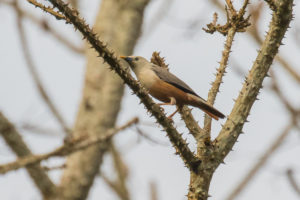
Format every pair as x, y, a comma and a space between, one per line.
212, 94
122, 173
238, 116
35, 76
235, 23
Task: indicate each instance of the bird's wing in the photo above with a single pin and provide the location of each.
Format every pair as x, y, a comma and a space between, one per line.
166, 76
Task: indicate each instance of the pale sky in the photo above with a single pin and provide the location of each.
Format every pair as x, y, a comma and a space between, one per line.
193, 56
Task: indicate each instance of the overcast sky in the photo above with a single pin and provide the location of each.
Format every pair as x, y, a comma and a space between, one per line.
193, 56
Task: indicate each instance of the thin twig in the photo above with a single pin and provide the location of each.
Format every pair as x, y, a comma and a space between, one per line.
157, 18
119, 185
66, 149
122, 173
292, 181
147, 137
281, 96
261, 162
40, 129
153, 191
31, 67
48, 10
279, 58
234, 19
45, 26
219, 76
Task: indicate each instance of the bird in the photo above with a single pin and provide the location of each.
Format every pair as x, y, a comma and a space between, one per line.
166, 87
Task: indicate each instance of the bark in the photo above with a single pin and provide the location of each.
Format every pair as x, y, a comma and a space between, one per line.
213, 154
119, 24
15, 141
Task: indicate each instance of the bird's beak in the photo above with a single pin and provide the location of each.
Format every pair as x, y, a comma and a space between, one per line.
128, 59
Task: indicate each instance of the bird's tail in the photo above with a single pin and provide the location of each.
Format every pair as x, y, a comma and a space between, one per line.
203, 105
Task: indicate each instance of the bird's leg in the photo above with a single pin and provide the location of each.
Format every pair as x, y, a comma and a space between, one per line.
177, 109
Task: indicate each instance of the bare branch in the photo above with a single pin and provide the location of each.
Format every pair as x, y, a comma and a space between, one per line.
234, 124
160, 13
190, 122
253, 31
292, 181
119, 185
49, 10
35, 76
122, 172
281, 96
272, 4
15, 142
45, 26
261, 162
153, 191
179, 143
147, 137
212, 94
72, 146
287, 66
234, 20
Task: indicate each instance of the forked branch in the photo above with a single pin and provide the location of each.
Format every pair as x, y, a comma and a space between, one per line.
178, 142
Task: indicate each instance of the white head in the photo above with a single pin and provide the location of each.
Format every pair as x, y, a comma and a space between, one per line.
137, 63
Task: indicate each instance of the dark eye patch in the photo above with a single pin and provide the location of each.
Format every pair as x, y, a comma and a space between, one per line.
136, 59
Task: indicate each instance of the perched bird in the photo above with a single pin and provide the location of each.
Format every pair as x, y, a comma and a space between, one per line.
167, 88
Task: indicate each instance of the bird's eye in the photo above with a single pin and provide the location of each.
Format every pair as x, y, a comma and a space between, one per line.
136, 59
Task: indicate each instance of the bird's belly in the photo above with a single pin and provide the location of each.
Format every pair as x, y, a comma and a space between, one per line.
163, 91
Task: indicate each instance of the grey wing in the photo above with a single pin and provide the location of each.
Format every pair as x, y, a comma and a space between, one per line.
172, 79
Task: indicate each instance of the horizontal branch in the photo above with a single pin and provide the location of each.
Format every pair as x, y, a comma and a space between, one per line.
178, 142
66, 149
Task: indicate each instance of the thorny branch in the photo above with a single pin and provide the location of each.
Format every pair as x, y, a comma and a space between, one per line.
253, 31
70, 147
294, 112
237, 22
234, 124
176, 139
48, 10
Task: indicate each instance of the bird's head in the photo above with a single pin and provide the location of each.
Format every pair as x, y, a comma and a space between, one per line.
136, 62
